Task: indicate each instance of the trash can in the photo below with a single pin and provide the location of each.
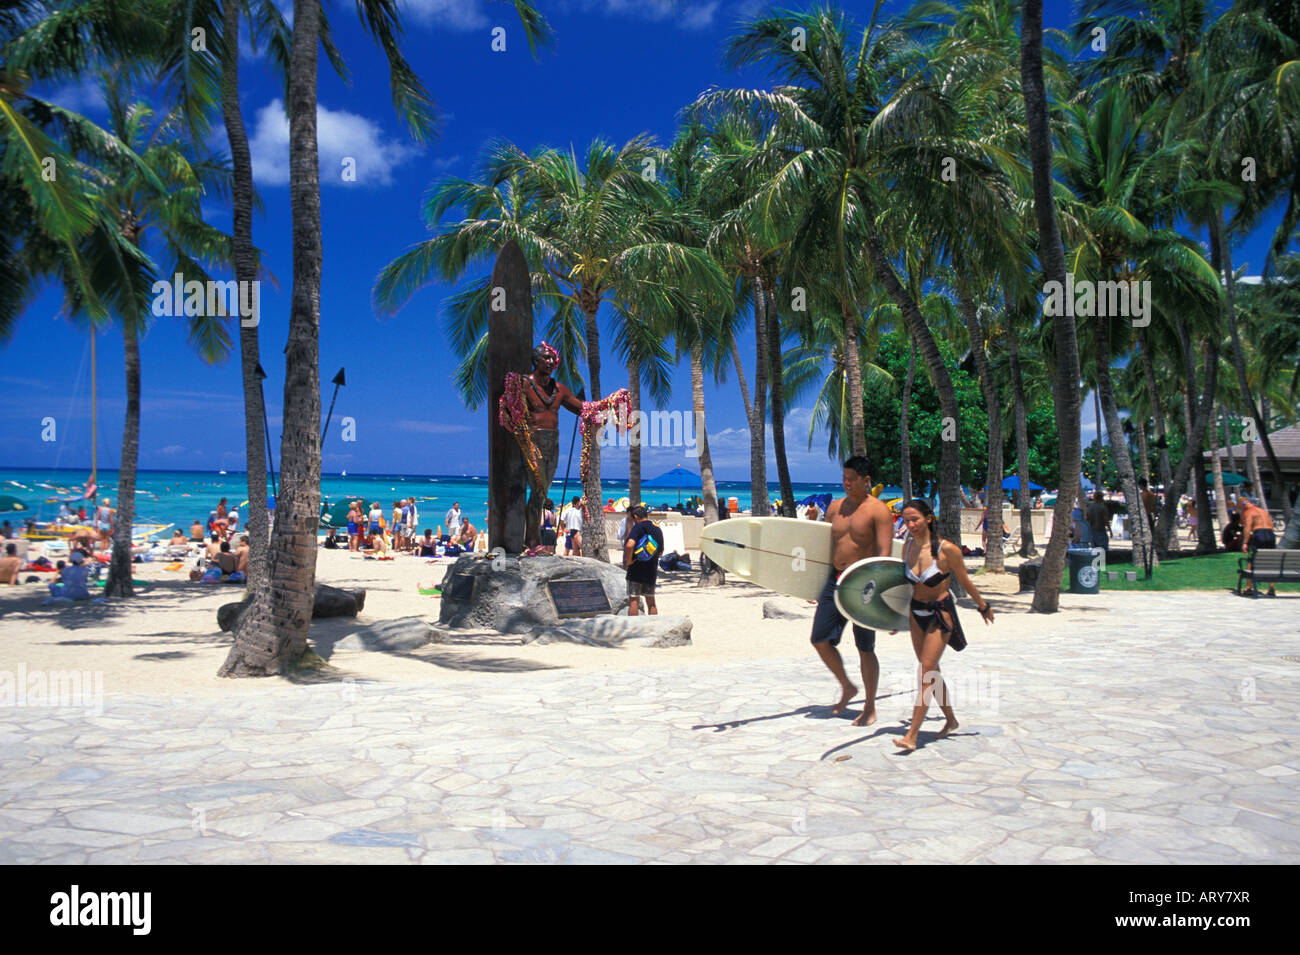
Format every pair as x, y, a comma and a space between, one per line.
1085, 564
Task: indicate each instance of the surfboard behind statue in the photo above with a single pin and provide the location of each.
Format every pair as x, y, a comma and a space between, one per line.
875, 593
783, 554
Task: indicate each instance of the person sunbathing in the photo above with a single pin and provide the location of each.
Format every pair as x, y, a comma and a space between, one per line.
196, 532
467, 535
227, 561
427, 544
72, 581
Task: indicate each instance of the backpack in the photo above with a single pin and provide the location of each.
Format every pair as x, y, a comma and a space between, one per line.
646, 547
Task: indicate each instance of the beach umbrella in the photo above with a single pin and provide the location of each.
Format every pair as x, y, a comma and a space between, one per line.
1229, 479
1012, 483
677, 477
8, 504
336, 516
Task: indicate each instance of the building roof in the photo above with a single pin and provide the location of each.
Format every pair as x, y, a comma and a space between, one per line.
1286, 445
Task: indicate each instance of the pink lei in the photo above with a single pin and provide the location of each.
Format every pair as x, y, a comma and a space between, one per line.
594, 414
515, 418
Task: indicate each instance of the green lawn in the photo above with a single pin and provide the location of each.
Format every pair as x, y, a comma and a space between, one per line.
1211, 572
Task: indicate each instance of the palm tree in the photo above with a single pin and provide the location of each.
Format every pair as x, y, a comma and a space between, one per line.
745, 242
592, 233
272, 632
55, 209
124, 272
1051, 254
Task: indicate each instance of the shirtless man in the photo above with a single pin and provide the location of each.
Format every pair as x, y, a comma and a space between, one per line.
10, 565
545, 398
861, 527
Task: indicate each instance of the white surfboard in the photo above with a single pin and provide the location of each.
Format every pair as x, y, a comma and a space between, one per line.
783, 554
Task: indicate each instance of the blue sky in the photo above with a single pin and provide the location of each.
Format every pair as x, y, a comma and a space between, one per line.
618, 68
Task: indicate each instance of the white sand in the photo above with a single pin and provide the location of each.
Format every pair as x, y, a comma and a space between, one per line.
166, 642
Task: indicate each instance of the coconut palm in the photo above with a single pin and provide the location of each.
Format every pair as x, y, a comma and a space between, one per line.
594, 234
1051, 254
138, 211
41, 143
272, 632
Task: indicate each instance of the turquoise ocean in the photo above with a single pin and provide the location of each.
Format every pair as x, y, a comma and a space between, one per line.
179, 497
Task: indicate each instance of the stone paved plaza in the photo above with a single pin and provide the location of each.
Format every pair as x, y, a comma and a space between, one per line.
1163, 732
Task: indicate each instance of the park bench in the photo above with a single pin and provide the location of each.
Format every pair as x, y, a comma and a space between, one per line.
1269, 566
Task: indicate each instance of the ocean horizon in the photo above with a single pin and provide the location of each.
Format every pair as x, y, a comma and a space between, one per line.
180, 496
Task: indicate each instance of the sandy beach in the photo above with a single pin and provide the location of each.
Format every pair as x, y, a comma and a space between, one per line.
166, 641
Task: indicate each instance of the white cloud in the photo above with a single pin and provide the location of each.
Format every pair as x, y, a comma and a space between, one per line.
688, 14
430, 427
83, 97
340, 135
454, 14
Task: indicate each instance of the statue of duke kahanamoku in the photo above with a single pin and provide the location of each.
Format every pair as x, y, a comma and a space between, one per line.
545, 397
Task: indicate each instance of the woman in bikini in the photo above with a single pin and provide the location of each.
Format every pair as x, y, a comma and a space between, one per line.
929, 562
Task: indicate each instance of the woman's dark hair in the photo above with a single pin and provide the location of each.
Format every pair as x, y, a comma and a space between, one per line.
548, 504
928, 513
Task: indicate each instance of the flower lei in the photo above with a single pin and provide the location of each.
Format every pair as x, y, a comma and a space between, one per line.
514, 417
593, 416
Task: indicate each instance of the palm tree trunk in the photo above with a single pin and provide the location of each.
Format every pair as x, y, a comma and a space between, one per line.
272, 633
1162, 448
1119, 448
1227, 443
1144, 460
778, 408
759, 506
1191, 458
1252, 472
740, 377
905, 448
853, 376
1220, 495
1239, 361
950, 493
119, 568
1027, 548
1261, 498
593, 518
246, 272
993, 558
1096, 408
709, 487
637, 435
1052, 254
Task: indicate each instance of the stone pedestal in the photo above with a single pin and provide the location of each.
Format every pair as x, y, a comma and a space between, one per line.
509, 595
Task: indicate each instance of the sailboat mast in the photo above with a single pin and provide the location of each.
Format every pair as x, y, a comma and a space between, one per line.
94, 431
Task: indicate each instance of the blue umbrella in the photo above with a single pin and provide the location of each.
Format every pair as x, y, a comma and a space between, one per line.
677, 477
1012, 483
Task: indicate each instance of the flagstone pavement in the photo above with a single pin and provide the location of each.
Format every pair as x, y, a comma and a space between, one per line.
1166, 732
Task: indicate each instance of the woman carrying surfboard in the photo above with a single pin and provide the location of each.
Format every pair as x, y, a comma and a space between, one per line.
930, 562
